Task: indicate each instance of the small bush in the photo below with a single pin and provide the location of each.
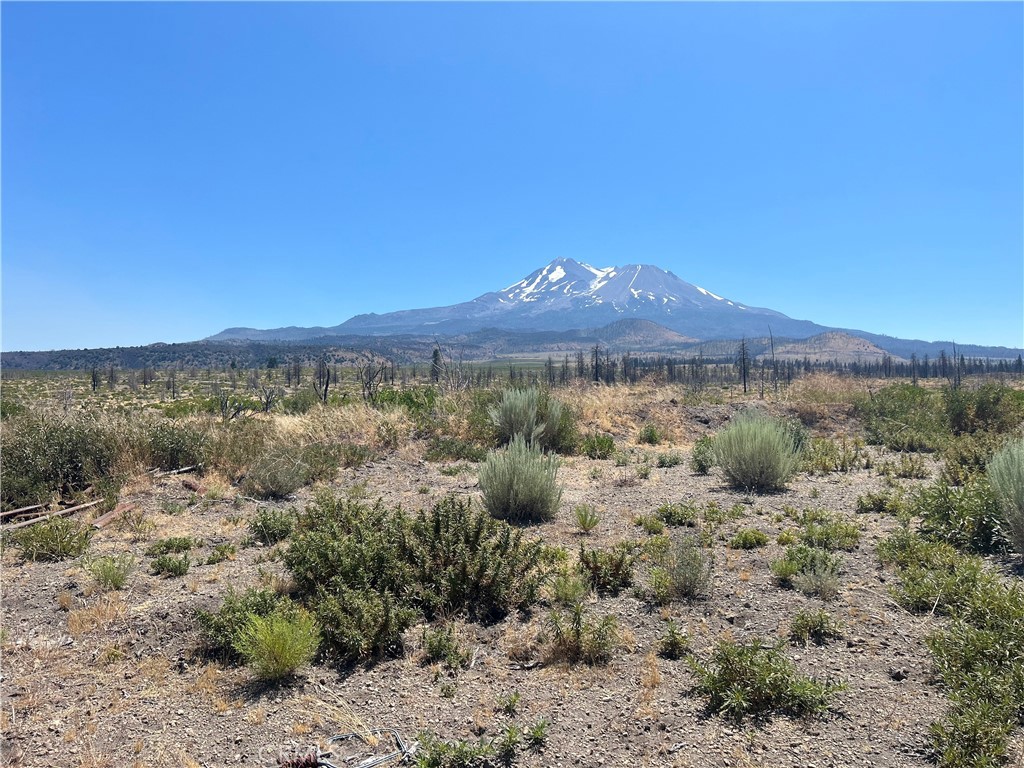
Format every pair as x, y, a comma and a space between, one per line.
674, 644
219, 630
567, 587
585, 517
598, 446
967, 517
685, 572
678, 514
903, 417
807, 569
574, 638
443, 448
827, 531
441, 646
285, 468
1006, 476
518, 483
748, 538
889, 502
220, 553
169, 565
536, 418
609, 571
756, 679
277, 645
649, 435
269, 525
172, 545
757, 453
55, 539
651, 525
173, 444
666, 460
909, 467
702, 460
110, 571
813, 626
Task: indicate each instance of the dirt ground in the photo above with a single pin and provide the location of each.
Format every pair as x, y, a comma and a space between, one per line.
111, 679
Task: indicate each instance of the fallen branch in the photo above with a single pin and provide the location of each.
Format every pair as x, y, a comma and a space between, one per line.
59, 513
178, 471
103, 520
21, 511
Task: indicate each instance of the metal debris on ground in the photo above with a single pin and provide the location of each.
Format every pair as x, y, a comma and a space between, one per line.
402, 753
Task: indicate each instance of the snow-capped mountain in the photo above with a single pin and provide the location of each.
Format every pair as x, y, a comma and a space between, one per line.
568, 294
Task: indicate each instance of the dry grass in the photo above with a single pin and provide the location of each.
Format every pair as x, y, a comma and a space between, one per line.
100, 615
826, 388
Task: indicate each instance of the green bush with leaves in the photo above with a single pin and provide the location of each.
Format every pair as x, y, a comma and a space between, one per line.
827, 530
446, 448
702, 459
518, 483
1006, 477
813, 626
649, 434
284, 468
678, 514
172, 545
809, 570
609, 571
220, 629
748, 538
110, 571
968, 517
370, 571
441, 646
585, 517
575, 638
674, 644
597, 445
55, 539
270, 525
904, 417
757, 453
177, 444
169, 565
276, 646
743, 680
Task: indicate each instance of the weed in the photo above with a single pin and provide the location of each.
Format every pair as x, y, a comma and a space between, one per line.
270, 525
968, 517
585, 517
454, 470
567, 587
685, 572
702, 459
748, 538
678, 514
441, 646
674, 644
597, 446
55, 539
220, 553
444, 448
903, 417
807, 569
909, 467
609, 571
110, 571
172, 545
509, 703
220, 630
651, 525
813, 626
537, 734
756, 679
667, 460
827, 531
575, 639
169, 565
649, 435
889, 502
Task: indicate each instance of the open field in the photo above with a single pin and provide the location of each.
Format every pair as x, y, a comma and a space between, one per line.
590, 648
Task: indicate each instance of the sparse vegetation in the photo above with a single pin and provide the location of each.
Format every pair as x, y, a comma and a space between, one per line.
110, 571
55, 539
519, 483
277, 645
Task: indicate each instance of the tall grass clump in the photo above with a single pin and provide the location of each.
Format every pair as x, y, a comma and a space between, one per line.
757, 453
518, 483
277, 645
55, 539
1006, 477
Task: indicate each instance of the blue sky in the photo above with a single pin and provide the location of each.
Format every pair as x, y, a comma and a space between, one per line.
169, 170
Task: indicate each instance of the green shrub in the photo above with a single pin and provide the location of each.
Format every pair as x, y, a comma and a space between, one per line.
609, 571
757, 453
825, 455
809, 570
825, 530
574, 638
967, 517
748, 538
169, 565
518, 483
55, 539
666, 460
174, 444
678, 514
651, 525
352, 455
585, 517
277, 645
459, 753
890, 502
441, 646
756, 679
220, 553
172, 545
284, 468
903, 417
300, 402
967, 456
1006, 476
110, 571
685, 572
649, 435
370, 572
813, 626
909, 467
674, 644
992, 407
597, 446
702, 460
219, 630
269, 525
